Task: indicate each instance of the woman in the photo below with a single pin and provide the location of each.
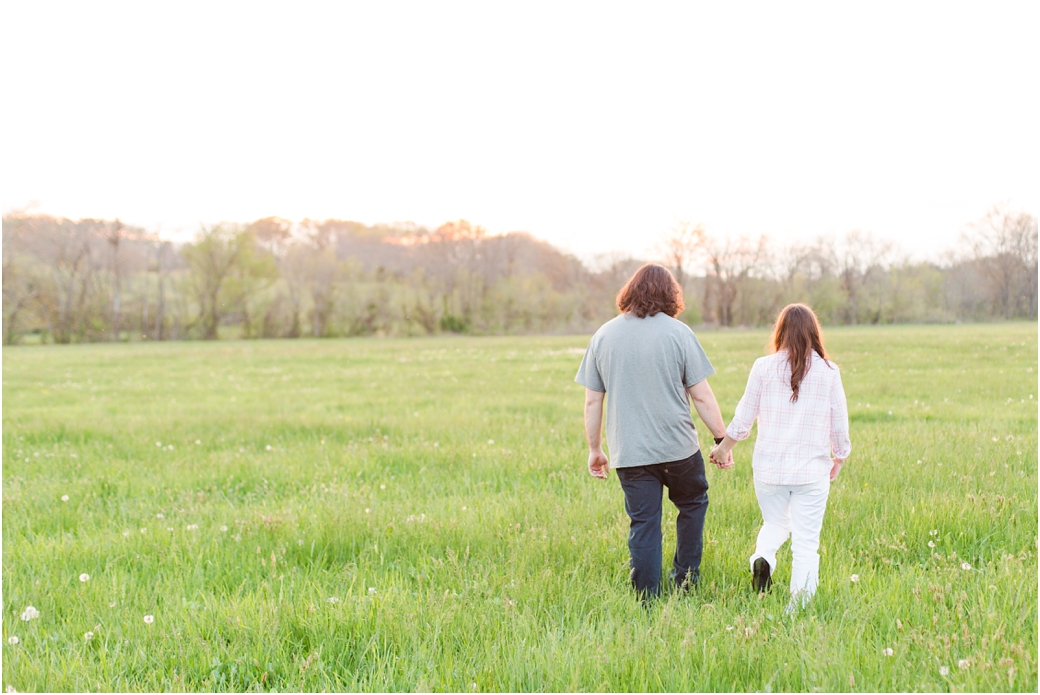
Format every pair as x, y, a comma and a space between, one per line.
803, 439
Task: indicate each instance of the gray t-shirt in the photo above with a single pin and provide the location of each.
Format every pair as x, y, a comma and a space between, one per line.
644, 366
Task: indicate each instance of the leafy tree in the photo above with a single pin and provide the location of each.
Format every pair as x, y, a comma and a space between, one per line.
211, 261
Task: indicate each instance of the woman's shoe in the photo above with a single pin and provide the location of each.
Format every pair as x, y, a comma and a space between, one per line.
761, 577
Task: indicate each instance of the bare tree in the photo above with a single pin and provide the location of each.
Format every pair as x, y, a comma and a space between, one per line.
67, 251
730, 262
162, 253
1004, 244
326, 271
114, 236
19, 288
855, 258
681, 246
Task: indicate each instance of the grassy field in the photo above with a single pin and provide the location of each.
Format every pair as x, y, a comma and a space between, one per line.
397, 515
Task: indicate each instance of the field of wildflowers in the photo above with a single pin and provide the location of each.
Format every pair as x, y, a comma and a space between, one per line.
392, 515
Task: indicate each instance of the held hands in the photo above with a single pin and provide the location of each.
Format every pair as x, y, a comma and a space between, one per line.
598, 463
721, 457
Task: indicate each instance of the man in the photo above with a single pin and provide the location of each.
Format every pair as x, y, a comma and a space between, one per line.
648, 366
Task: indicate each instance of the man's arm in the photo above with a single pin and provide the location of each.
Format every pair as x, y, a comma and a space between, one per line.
598, 463
703, 399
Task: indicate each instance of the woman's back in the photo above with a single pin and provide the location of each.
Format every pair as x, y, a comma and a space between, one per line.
795, 438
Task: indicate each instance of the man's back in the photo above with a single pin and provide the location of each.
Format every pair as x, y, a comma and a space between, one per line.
645, 366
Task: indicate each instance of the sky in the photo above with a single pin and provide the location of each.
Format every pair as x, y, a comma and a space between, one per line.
595, 126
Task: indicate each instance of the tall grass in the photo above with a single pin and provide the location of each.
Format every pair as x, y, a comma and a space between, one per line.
415, 515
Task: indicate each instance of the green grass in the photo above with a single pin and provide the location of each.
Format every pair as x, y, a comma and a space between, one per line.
393, 515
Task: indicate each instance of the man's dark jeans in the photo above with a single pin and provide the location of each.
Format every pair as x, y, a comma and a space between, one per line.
688, 490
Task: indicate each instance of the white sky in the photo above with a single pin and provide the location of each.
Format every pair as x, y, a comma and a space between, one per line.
594, 126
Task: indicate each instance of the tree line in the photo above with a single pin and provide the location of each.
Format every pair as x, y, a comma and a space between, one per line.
68, 281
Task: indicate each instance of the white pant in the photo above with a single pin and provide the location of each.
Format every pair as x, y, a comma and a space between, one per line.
796, 510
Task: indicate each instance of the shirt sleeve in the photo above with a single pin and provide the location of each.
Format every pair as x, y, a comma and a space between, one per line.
747, 410
588, 372
841, 445
696, 367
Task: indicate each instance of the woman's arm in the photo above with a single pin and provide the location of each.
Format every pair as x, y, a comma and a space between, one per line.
744, 416
747, 409
841, 445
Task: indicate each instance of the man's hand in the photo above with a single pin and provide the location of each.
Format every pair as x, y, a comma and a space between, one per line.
598, 463
836, 468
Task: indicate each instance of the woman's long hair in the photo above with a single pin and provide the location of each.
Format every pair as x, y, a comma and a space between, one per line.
797, 330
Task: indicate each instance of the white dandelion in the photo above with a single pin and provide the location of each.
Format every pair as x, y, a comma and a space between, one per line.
13, 639
88, 635
963, 663
332, 599
944, 670
965, 566
192, 527
160, 515
64, 498
126, 534
268, 447
144, 530
84, 577
223, 529
159, 444
149, 619
491, 441
854, 578
198, 441
367, 510
931, 544
887, 651
371, 590
382, 487
30, 613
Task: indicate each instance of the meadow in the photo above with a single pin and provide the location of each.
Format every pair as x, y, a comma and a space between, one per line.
415, 514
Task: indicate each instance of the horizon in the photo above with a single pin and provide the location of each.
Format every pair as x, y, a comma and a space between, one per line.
595, 260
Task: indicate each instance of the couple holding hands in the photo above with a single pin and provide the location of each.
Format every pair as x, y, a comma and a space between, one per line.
653, 368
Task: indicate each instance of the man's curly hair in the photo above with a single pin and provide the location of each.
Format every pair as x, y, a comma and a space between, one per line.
651, 290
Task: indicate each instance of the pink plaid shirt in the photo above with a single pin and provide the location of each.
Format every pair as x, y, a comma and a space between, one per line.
795, 440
